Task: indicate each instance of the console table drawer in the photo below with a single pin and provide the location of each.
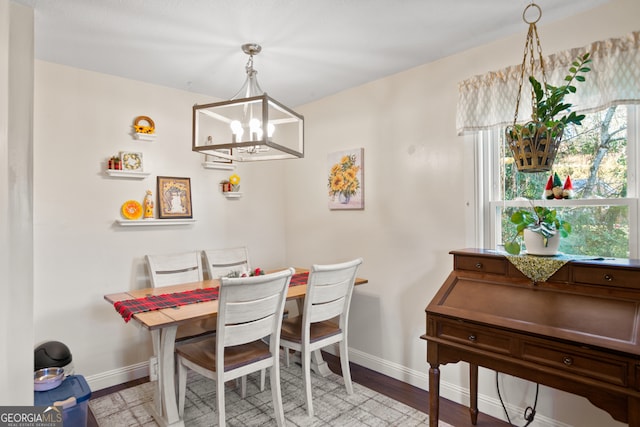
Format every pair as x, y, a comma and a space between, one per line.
474, 335
578, 361
481, 264
605, 276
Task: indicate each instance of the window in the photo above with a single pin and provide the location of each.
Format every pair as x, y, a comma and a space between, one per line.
601, 157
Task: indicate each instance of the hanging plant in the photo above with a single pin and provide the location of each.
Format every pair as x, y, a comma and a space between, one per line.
534, 144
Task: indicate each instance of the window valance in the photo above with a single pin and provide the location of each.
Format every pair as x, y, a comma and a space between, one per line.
489, 100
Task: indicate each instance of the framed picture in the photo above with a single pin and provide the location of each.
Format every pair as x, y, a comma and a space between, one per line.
174, 197
218, 159
131, 161
346, 179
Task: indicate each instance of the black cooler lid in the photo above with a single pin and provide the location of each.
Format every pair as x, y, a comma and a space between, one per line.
52, 354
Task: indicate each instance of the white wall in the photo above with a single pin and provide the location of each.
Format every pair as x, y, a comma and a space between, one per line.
419, 177
16, 207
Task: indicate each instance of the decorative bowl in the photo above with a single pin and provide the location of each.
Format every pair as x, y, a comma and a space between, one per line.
47, 378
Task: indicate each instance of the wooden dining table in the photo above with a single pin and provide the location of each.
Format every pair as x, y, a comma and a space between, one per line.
163, 325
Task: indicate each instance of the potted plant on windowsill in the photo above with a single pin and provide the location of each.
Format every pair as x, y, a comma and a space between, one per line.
541, 229
535, 143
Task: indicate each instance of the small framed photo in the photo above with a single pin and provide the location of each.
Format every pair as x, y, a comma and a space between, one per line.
174, 197
131, 161
219, 159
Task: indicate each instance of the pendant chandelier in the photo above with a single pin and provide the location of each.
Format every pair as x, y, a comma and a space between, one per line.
250, 126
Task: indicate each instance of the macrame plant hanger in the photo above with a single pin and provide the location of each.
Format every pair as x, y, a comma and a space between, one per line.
533, 145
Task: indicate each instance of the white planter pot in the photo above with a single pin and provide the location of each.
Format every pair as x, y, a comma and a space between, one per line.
534, 243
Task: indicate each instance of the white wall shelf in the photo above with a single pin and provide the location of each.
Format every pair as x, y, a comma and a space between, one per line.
153, 222
219, 166
232, 194
144, 136
117, 173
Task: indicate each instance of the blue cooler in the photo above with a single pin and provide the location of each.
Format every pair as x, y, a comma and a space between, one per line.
72, 395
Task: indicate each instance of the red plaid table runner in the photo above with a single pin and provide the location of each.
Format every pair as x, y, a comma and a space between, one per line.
127, 308
299, 279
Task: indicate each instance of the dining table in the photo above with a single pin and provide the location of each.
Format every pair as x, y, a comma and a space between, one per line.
175, 305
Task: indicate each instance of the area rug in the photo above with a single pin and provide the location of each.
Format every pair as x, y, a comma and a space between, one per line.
332, 405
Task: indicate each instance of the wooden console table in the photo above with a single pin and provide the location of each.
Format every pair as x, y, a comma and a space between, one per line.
579, 331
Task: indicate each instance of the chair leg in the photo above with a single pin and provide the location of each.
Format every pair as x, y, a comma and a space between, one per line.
276, 393
286, 356
344, 362
220, 401
243, 387
182, 387
263, 376
306, 369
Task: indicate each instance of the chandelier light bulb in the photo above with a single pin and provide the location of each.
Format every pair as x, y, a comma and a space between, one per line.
255, 127
236, 126
236, 129
271, 128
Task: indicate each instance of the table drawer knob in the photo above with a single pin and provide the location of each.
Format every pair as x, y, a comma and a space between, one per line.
567, 360
608, 277
472, 338
479, 265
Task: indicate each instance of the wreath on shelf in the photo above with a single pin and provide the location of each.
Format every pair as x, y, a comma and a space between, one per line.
149, 128
132, 161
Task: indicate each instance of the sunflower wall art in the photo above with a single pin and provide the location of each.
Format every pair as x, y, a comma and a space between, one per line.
346, 179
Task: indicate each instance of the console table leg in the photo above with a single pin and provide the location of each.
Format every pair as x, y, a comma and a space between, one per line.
434, 395
473, 393
634, 412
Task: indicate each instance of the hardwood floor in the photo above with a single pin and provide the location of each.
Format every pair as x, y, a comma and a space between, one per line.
450, 412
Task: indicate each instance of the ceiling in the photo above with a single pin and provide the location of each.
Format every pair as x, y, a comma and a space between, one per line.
310, 48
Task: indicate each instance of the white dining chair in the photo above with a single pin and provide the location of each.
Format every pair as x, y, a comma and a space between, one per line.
172, 269
221, 262
250, 311
329, 290
178, 268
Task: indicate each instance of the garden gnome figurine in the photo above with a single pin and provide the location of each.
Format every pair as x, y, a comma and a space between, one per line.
148, 205
567, 190
553, 189
557, 186
548, 190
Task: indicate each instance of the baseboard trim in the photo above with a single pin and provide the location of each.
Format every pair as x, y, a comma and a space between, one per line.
117, 376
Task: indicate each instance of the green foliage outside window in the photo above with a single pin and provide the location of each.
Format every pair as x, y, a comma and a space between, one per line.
595, 157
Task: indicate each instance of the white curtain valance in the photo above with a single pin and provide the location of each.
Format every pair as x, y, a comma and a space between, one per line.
489, 100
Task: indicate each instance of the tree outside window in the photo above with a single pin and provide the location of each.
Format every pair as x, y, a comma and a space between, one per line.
596, 155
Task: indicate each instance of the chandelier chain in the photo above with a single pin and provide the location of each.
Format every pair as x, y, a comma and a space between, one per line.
529, 50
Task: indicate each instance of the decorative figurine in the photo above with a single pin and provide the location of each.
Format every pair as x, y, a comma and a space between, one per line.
114, 163
567, 190
553, 189
148, 205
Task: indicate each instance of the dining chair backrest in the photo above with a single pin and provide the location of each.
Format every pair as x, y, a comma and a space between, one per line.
222, 262
249, 310
329, 291
172, 269
175, 269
